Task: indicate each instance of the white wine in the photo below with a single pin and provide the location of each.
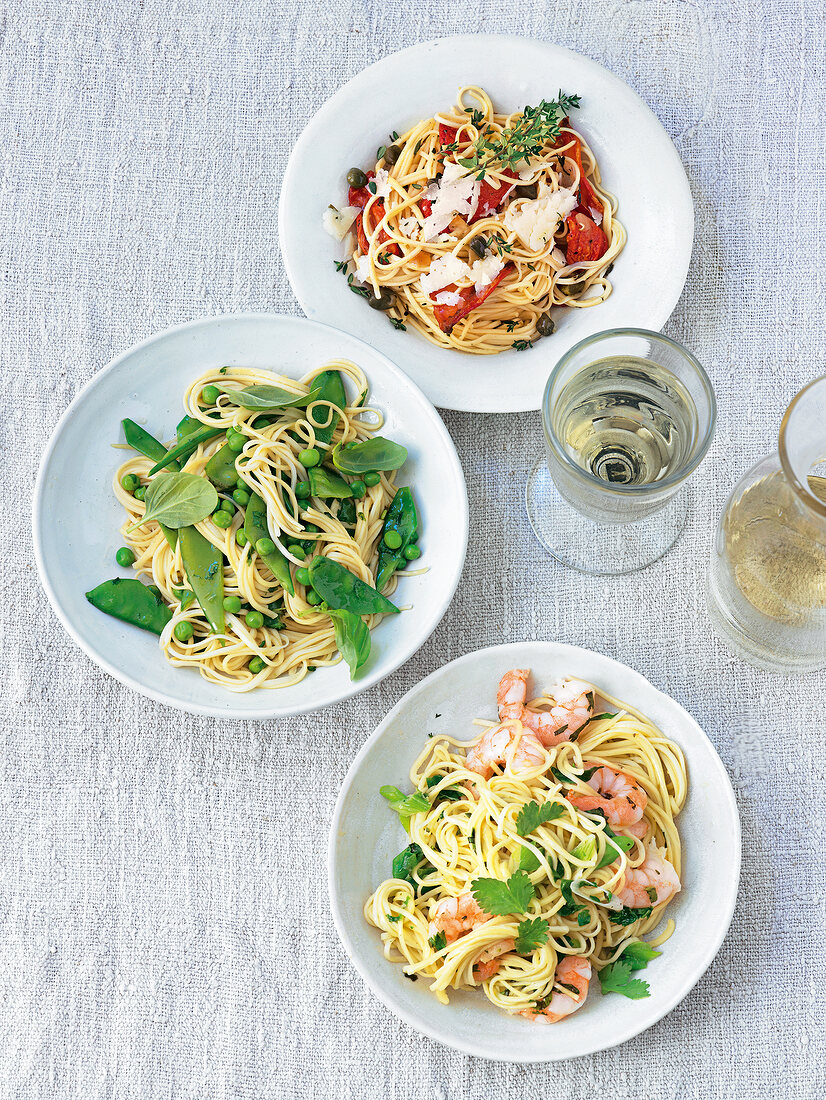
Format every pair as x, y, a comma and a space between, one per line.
627, 420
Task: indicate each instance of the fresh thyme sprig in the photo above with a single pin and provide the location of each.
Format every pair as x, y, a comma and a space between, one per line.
529, 135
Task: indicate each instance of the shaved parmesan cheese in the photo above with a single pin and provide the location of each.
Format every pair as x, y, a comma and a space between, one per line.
456, 193
410, 227
448, 298
444, 270
536, 220
362, 271
483, 272
529, 168
382, 182
338, 222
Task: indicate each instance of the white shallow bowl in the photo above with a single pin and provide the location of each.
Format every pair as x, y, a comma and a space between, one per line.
77, 518
639, 164
365, 835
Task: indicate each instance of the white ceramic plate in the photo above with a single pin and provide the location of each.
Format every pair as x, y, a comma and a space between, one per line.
77, 519
638, 163
365, 836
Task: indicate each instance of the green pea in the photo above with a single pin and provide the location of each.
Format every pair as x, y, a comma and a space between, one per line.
309, 457
303, 490
371, 478
358, 489
302, 575
140, 492
183, 631
254, 620
227, 506
222, 519
232, 604
241, 484
262, 422
297, 551
125, 557
257, 664
311, 529
236, 442
241, 496
130, 482
313, 598
392, 540
265, 546
210, 395
412, 552
240, 537
356, 178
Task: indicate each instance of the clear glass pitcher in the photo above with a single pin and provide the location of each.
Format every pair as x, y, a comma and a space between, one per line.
767, 582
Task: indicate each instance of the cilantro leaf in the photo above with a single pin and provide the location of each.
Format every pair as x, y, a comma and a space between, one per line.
530, 934
527, 860
616, 978
406, 862
438, 942
628, 915
639, 955
534, 814
499, 898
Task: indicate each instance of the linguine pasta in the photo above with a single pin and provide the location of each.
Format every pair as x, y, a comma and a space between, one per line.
475, 829
513, 237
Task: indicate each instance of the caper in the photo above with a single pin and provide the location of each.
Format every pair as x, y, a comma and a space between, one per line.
574, 288
479, 245
392, 154
526, 191
356, 178
384, 301
545, 325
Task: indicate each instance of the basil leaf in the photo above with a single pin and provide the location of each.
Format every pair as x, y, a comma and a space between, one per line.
326, 484
352, 639
377, 453
344, 591
267, 398
179, 500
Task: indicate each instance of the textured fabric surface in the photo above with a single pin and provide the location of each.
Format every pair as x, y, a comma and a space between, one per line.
164, 924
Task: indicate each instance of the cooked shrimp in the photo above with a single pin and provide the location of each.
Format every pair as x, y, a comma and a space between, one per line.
490, 960
456, 916
636, 828
620, 797
573, 973
571, 708
505, 745
654, 882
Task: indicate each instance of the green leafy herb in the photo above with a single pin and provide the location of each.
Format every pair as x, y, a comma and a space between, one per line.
532, 131
438, 942
328, 485
268, 398
179, 500
406, 862
397, 323
534, 814
522, 345
639, 955
448, 794
499, 898
393, 917
530, 934
341, 265
352, 639
561, 777
376, 453
527, 860
582, 917
616, 978
628, 915
599, 717
612, 842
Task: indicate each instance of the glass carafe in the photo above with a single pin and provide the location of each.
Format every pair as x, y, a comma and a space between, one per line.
767, 581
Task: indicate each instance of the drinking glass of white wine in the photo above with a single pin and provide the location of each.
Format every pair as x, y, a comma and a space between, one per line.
628, 415
767, 581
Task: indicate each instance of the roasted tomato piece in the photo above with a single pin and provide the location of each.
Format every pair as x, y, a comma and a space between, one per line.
585, 240
360, 196
447, 316
491, 197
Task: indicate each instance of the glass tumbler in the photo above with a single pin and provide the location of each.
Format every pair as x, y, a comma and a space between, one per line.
627, 416
766, 588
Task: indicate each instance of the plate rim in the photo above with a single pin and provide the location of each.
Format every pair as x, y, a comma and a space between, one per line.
657, 319
710, 947
357, 687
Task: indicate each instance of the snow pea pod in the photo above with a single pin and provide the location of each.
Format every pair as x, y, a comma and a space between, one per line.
347, 512
204, 566
141, 441
186, 426
187, 446
132, 602
344, 591
324, 483
329, 387
255, 528
220, 468
402, 518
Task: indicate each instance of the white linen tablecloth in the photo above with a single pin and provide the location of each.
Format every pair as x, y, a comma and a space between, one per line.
164, 925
